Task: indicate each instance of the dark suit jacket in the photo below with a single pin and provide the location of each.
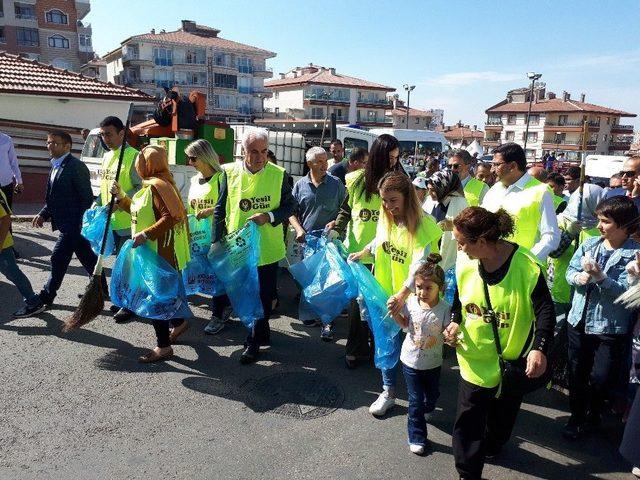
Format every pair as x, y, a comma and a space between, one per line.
68, 196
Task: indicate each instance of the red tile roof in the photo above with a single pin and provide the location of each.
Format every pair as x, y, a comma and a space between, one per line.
555, 105
458, 133
324, 76
29, 77
186, 38
413, 112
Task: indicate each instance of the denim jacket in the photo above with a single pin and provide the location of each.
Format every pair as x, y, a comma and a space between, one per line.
602, 315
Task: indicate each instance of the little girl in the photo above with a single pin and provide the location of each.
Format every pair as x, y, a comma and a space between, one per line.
424, 318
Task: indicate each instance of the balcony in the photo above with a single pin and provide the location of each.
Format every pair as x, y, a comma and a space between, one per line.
262, 71
492, 143
244, 111
244, 89
133, 58
26, 16
164, 83
24, 42
576, 145
245, 68
494, 122
261, 91
373, 121
223, 66
621, 146
493, 125
320, 99
623, 129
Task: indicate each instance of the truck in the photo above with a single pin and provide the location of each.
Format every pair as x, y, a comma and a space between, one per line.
600, 168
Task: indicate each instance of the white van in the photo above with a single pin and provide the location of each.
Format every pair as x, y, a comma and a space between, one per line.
416, 143
602, 167
94, 149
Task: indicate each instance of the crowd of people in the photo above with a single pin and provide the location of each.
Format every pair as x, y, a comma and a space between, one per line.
515, 247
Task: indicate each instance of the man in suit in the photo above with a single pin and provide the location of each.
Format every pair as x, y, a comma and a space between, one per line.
68, 196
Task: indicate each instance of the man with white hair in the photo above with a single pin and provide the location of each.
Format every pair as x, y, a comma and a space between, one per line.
318, 196
256, 190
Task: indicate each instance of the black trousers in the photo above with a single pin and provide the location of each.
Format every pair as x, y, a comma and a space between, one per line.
67, 244
482, 422
593, 362
162, 330
260, 333
359, 337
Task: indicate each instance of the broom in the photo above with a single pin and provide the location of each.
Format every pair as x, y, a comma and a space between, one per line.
92, 301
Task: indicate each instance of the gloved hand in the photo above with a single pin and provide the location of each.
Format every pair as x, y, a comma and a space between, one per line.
333, 235
588, 264
582, 278
597, 274
633, 269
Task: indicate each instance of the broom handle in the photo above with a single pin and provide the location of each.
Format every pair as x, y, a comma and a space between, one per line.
98, 268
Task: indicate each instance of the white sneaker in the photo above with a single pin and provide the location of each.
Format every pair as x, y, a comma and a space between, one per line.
383, 403
636, 471
417, 449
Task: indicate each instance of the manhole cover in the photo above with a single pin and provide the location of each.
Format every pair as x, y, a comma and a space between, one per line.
298, 395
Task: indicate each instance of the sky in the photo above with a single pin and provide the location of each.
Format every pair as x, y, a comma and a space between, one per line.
462, 56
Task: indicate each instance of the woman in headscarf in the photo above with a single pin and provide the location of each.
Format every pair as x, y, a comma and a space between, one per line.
446, 200
158, 219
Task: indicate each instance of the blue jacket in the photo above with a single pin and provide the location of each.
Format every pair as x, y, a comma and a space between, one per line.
68, 196
602, 315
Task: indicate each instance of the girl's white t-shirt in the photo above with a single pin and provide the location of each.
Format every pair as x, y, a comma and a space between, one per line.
422, 346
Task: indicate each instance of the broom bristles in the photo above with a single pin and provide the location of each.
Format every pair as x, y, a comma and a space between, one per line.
630, 298
90, 306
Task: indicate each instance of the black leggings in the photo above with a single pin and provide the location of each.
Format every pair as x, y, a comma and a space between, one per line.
162, 330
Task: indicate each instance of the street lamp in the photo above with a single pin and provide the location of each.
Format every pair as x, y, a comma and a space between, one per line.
533, 77
261, 96
409, 89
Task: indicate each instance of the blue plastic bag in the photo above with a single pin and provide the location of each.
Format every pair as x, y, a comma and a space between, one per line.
372, 300
93, 223
236, 265
450, 284
326, 281
199, 235
199, 276
143, 282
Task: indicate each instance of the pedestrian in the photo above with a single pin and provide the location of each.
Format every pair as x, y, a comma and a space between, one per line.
474, 189
484, 174
512, 279
433, 166
68, 196
404, 238
359, 215
615, 186
336, 151
204, 192
357, 160
538, 173
423, 318
33, 305
159, 221
256, 190
591, 196
85, 133
318, 198
599, 329
557, 183
10, 175
526, 199
548, 162
631, 179
446, 201
420, 187
112, 132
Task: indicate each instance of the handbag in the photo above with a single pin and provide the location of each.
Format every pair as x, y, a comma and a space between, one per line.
515, 382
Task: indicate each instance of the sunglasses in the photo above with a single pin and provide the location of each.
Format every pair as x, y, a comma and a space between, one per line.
628, 173
191, 159
454, 166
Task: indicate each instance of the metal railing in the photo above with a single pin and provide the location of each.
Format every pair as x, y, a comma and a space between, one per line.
321, 98
494, 122
571, 124
622, 127
25, 16
620, 145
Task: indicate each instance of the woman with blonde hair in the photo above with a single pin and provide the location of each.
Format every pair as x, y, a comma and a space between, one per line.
405, 236
159, 220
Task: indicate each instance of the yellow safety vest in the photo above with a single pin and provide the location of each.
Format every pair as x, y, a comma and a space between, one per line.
259, 193
142, 217
364, 214
524, 207
203, 195
119, 219
473, 190
560, 289
396, 249
556, 201
511, 300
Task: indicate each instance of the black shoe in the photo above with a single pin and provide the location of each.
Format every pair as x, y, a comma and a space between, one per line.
114, 309
26, 312
45, 299
249, 355
573, 430
492, 452
351, 363
123, 315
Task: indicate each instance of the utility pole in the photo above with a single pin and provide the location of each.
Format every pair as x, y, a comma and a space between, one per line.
533, 77
409, 89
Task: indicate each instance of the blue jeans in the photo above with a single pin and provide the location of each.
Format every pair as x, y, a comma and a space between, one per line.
9, 268
423, 387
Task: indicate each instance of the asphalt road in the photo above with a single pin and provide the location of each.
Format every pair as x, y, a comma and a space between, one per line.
80, 406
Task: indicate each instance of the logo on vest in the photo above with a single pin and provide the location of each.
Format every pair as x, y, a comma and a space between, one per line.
240, 242
395, 253
255, 203
365, 215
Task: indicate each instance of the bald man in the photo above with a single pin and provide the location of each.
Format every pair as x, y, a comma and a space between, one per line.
538, 173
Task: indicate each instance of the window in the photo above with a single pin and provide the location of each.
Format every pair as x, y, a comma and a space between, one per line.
2, 38
57, 16
511, 120
276, 95
163, 57
163, 78
277, 111
510, 136
223, 60
1, 10
222, 80
563, 119
195, 55
533, 137
530, 153
27, 37
245, 65
58, 41
24, 11
62, 64
84, 40
317, 113
225, 102
244, 85
417, 120
534, 119
338, 112
608, 120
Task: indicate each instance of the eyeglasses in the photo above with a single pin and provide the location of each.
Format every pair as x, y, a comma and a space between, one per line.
453, 166
191, 159
497, 164
628, 173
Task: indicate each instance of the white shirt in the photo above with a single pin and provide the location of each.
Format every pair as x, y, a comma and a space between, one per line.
422, 346
9, 168
549, 233
483, 192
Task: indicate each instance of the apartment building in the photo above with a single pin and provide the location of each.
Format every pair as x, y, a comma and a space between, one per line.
418, 119
50, 31
194, 57
461, 136
556, 124
307, 94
